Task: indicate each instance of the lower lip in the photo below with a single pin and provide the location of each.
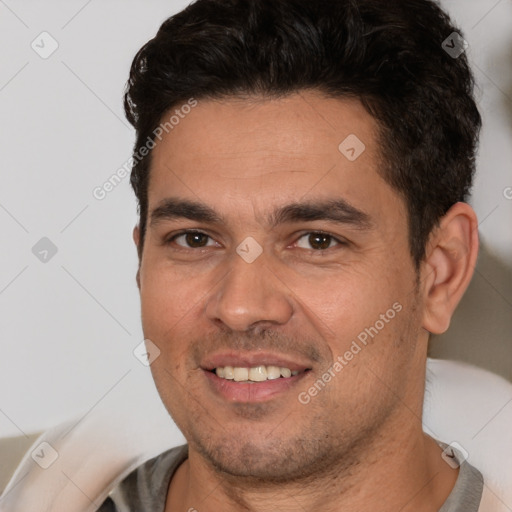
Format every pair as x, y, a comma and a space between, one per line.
255, 392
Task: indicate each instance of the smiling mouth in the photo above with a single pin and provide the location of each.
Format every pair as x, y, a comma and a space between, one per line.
255, 374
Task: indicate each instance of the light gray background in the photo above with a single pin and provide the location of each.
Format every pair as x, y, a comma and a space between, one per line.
69, 326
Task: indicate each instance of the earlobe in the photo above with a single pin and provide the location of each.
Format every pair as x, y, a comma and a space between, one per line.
449, 266
136, 239
136, 235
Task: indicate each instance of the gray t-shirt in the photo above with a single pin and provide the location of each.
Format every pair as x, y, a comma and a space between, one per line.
145, 488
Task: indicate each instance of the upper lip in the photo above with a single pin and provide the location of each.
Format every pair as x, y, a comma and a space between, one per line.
252, 359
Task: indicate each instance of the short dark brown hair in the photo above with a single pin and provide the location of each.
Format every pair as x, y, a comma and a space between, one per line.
389, 55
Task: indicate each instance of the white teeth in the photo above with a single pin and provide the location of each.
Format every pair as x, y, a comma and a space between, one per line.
241, 374
273, 372
228, 372
258, 374
254, 374
285, 372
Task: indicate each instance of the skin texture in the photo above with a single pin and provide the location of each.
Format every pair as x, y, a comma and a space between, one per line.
358, 443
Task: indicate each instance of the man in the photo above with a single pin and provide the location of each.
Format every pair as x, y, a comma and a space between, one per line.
301, 169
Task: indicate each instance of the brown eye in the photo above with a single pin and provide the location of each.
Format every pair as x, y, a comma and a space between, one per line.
317, 241
191, 239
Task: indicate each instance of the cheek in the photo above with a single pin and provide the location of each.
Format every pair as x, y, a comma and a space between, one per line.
168, 297
345, 303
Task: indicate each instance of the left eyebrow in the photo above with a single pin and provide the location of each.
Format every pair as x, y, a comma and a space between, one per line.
334, 210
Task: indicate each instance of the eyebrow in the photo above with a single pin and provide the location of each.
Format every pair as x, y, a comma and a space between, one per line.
335, 210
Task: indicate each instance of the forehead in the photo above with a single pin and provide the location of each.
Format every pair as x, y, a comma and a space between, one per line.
302, 146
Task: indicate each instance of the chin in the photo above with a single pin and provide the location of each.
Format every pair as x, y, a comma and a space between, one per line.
266, 459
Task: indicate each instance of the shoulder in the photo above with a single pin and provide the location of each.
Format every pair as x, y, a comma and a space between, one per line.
145, 487
466, 495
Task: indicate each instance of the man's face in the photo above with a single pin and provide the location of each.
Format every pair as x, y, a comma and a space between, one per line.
266, 285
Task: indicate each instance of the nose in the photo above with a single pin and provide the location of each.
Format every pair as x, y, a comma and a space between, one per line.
250, 294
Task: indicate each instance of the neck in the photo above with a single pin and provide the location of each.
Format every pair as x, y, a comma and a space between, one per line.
400, 468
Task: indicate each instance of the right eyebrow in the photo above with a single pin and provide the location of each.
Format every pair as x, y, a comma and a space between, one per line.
173, 208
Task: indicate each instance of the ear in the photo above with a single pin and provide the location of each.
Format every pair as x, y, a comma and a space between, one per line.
450, 262
136, 239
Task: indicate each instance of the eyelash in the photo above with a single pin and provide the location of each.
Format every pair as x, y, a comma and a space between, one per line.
171, 239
